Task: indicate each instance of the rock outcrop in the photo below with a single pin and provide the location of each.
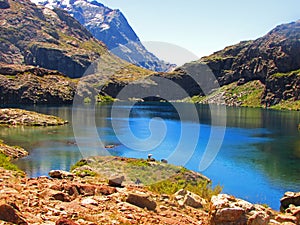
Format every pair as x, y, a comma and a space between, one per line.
289, 198
226, 210
86, 201
28, 118
13, 152
272, 59
51, 39
112, 28
92, 201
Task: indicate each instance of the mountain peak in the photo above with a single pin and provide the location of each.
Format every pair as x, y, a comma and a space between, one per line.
112, 28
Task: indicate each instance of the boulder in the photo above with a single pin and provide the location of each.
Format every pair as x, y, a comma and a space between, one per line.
116, 181
236, 215
60, 174
289, 198
11, 215
226, 209
194, 200
141, 200
188, 198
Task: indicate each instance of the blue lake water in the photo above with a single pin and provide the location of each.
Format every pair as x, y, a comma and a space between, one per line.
259, 157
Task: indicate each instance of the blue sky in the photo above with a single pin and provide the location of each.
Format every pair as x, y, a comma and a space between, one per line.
203, 27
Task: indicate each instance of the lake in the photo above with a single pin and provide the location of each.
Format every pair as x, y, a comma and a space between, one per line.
258, 159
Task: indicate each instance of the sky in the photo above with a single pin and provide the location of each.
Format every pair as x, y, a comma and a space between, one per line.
203, 27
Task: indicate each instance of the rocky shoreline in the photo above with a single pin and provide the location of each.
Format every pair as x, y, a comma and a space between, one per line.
28, 118
73, 198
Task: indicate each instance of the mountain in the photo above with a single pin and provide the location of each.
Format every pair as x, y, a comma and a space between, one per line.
268, 67
261, 73
39, 47
112, 28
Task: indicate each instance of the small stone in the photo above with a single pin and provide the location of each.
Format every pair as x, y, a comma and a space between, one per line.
60, 174
89, 201
106, 190
61, 197
116, 181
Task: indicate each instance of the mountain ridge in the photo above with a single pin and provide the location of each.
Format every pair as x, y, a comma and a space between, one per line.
112, 28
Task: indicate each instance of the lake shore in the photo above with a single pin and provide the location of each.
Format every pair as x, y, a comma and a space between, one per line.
89, 195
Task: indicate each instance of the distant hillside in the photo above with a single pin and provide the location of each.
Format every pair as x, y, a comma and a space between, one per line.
112, 28
263, 72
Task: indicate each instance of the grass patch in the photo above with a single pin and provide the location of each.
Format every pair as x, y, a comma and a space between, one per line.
7, 164
87, 100
287, 105
104, 98
291, 73
155, 176
171, 186
78, 164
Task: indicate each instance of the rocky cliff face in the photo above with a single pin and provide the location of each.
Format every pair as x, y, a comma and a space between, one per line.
112, 28
31, 85
46, 38
52, 40
270, 59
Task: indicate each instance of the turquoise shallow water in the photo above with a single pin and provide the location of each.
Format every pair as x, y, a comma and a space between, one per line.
259, 158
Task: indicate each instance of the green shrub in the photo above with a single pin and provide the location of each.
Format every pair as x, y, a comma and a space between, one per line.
6, 164
104, 98
78, 164
201, 187
87, 100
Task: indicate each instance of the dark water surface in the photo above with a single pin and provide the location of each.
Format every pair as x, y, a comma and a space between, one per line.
259, 158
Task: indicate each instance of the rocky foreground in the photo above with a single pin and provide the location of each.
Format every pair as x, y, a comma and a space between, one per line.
76, 198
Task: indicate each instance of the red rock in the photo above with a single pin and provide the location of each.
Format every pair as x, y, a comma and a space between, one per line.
87, 190
61, 197
9, 214
64, 221
106, 190
141, 200
286, 218
116, 181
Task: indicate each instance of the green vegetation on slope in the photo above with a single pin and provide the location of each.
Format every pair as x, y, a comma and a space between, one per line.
156, 176
248, 94
291, 73
6, 163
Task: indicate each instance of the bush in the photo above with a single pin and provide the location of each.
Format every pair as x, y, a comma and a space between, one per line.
202, 188
6, 164
104, 98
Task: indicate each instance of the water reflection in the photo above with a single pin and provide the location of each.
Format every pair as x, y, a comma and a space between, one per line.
259, 158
